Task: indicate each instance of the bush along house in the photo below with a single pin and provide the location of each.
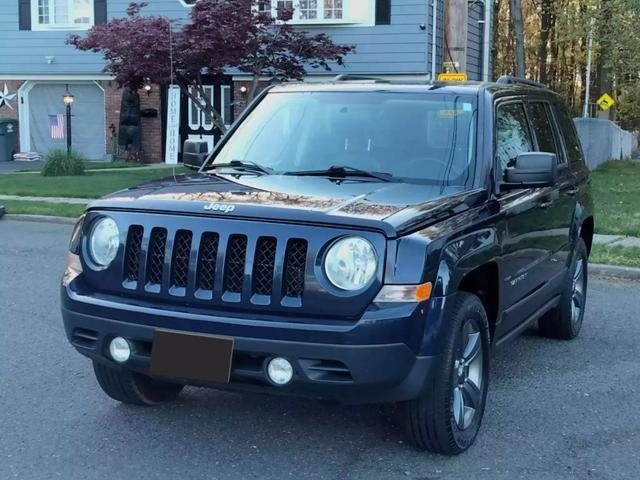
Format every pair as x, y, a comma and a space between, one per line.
391, 39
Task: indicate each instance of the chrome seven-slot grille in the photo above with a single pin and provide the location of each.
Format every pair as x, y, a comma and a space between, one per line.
199, 257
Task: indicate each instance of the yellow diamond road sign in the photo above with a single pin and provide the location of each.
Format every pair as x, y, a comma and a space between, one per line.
606, 102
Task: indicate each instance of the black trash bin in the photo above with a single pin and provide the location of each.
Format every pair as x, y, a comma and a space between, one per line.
8, 139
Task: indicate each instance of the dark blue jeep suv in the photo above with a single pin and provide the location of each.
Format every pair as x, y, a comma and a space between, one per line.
359, 240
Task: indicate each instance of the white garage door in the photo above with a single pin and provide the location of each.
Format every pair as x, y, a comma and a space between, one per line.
87, 121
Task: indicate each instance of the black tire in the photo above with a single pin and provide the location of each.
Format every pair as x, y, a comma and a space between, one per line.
134, 388
561, 322
429, 422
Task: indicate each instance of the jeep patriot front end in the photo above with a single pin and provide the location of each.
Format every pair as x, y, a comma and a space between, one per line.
363, 242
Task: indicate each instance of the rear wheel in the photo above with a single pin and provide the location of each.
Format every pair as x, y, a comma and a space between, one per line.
135, 388
447, 418
565, 321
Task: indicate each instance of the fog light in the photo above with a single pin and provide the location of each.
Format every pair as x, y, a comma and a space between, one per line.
119, 349
280, 371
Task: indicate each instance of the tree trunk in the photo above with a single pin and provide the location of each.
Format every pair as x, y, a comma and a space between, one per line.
255, 82
518, 27
546, 24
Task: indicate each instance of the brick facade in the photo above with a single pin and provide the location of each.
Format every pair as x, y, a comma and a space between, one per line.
151, 127
5, 111
240, 97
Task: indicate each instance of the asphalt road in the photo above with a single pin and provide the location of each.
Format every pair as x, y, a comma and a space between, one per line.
556, 410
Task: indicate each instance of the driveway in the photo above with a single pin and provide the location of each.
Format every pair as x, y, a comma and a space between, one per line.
556, 410
10, 167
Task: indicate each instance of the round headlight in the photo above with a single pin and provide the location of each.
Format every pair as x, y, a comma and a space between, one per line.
104, 241
351, 263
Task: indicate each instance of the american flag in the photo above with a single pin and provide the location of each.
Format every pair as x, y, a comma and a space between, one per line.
56, 125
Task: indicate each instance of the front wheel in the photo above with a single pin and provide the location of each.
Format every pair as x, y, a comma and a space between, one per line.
447, 418
134, 388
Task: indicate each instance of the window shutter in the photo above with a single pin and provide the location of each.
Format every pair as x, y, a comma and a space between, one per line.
99, 11
383, 12
24, 14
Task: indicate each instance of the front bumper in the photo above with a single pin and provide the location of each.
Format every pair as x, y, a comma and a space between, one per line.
329, 359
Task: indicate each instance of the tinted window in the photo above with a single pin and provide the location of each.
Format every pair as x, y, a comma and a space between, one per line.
543, 128
512, 134
429, 138
568, 131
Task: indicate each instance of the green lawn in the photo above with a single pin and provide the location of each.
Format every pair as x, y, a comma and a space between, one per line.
91, 185
608, 255
43, 208
616, 194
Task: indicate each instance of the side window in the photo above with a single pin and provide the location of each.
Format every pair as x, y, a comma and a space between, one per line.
512, 134
568, 131
543, 128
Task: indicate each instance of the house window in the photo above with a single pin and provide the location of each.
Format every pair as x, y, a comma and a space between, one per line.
333, 9
307, 11
62, 14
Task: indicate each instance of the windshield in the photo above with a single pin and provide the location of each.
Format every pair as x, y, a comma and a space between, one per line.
425, 137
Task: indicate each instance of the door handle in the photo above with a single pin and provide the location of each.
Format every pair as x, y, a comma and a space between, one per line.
545, 205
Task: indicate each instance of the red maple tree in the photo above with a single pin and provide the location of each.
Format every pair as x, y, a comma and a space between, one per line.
221, 35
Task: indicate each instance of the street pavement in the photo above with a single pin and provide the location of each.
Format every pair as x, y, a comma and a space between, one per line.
556, 410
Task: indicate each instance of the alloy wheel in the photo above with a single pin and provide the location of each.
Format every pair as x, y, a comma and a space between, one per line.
468, 376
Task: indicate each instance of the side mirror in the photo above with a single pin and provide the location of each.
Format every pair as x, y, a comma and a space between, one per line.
532, 170
194, 153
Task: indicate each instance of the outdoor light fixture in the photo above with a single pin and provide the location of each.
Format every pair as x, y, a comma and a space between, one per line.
68, 99
147, 88
243, 89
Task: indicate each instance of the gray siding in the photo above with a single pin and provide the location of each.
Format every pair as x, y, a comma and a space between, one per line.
474, 40
399, 48
24, 52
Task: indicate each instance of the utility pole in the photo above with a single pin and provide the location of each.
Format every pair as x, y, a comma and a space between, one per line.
587, 90
456, 21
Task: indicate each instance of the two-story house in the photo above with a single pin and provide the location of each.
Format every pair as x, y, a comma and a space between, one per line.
393, 38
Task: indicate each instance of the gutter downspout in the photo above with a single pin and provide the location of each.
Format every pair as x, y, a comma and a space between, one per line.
434, 36
486, 51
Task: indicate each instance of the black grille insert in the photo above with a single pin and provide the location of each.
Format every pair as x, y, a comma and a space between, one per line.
264, 265
132, 254
157, 247
234, 265
207, 259
180, 260
294, 267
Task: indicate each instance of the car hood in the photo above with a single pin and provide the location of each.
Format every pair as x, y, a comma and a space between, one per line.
394, 208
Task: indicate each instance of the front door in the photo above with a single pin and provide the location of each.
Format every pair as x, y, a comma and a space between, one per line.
198, 126
535, 224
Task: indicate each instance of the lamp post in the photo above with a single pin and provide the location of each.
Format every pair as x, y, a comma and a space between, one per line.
68, 100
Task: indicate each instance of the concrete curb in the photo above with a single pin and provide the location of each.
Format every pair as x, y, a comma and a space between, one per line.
614, 271
40, 218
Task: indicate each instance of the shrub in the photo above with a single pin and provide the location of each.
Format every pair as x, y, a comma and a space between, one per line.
59, 164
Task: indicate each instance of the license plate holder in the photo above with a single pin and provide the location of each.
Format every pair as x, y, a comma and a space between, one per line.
191, 356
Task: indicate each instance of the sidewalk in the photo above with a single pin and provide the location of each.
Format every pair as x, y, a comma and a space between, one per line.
616, 240
74, 200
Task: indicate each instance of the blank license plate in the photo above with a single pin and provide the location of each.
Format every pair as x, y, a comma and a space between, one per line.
191, 356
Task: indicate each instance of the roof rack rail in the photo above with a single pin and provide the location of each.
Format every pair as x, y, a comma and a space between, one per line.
358, 78
509, 80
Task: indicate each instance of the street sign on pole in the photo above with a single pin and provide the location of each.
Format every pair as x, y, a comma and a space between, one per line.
173, 125
606, 102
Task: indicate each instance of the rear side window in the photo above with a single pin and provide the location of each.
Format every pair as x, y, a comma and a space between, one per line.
512, 134
568, 131
541, 119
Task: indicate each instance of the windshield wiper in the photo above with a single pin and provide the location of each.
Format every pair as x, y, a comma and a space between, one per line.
343, 171
242, 165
